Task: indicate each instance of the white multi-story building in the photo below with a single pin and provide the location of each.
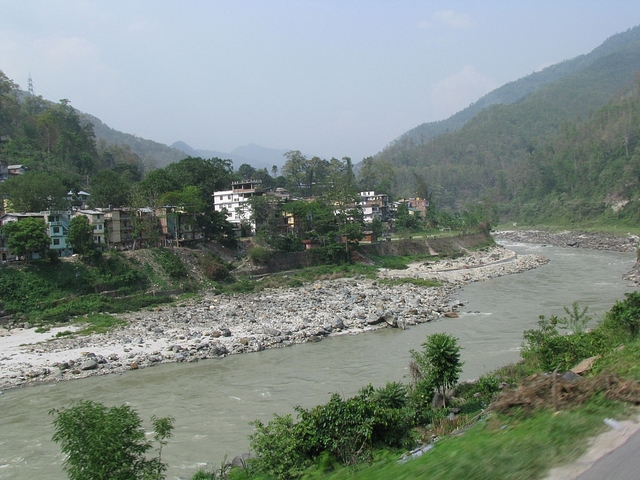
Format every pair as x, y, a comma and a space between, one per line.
234, 203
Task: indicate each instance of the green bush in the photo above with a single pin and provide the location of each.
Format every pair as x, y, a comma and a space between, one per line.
625, 315
259, 255
214, 268
348, 430
104, 443
170, 263
279, 447
547, 349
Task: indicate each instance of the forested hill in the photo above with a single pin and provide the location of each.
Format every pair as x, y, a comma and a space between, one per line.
515, 91
506, 151
152, 154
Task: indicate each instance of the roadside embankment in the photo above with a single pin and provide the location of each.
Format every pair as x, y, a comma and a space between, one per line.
215, 326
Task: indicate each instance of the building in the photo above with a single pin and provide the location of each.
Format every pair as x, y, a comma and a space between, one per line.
177, 227
234, 203
375, 206
56, 224
415, 205
58, 228
14, 170
96, 220
118, 227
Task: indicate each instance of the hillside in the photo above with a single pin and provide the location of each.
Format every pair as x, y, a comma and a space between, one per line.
506, 152
515, 91
153, 154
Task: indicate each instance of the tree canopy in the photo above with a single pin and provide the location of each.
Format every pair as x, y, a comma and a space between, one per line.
27, 236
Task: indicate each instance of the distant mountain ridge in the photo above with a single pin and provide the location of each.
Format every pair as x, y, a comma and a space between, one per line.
252, 154
159, 155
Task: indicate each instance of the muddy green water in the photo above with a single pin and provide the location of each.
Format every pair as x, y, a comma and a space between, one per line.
213, 401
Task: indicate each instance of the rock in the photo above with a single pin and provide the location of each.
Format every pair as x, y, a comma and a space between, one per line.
375, 319
241, 460
438, 400
89, 364
584, 366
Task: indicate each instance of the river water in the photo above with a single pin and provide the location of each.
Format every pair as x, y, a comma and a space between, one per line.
213, 401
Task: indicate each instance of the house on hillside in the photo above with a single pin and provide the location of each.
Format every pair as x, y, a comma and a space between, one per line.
5, 252
118, 227
234, 203
177, 227
15, 170
375, 206
58, 228
96, 220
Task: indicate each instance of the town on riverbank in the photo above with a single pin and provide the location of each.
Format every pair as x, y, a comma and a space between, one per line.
214, 326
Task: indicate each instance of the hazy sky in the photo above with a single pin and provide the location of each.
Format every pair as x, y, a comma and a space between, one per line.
329, 78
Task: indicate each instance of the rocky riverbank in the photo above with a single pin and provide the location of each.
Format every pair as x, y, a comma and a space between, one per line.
217, 326
593, 241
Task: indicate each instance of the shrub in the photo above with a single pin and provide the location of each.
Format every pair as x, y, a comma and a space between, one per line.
259, 255
170, 263
348, 430
279, 448
547, 349
213, 267
439, 362
625, 315
104, 443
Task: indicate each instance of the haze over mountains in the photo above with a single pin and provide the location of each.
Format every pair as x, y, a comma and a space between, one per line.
542, 101
252, 154
562, 141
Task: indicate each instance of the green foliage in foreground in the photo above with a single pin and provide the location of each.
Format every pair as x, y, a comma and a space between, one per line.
439, 363
363, 436
547, 348
521, 444
104, 443
348, 430
498, 448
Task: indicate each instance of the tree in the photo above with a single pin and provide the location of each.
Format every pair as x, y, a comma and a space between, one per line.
439, 363
35, 192
27, 236
80, 237
150, 190
377, 175
209, 175
108, 188
295, 170
104, 443
246, 171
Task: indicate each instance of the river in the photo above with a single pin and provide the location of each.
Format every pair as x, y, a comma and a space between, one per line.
213, 401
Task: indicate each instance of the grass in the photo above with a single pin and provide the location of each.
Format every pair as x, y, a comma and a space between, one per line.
98, 323
419, 282
500, 447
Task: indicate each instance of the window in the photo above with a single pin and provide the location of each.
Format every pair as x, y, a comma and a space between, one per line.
56, 229
56, 241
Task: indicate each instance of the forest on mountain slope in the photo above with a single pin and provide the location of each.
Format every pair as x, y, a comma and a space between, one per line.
517, 156
514, 92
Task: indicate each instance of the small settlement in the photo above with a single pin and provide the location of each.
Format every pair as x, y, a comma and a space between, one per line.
173, 226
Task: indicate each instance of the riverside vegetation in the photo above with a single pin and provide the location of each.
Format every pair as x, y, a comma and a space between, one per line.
513, 423
509, 411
